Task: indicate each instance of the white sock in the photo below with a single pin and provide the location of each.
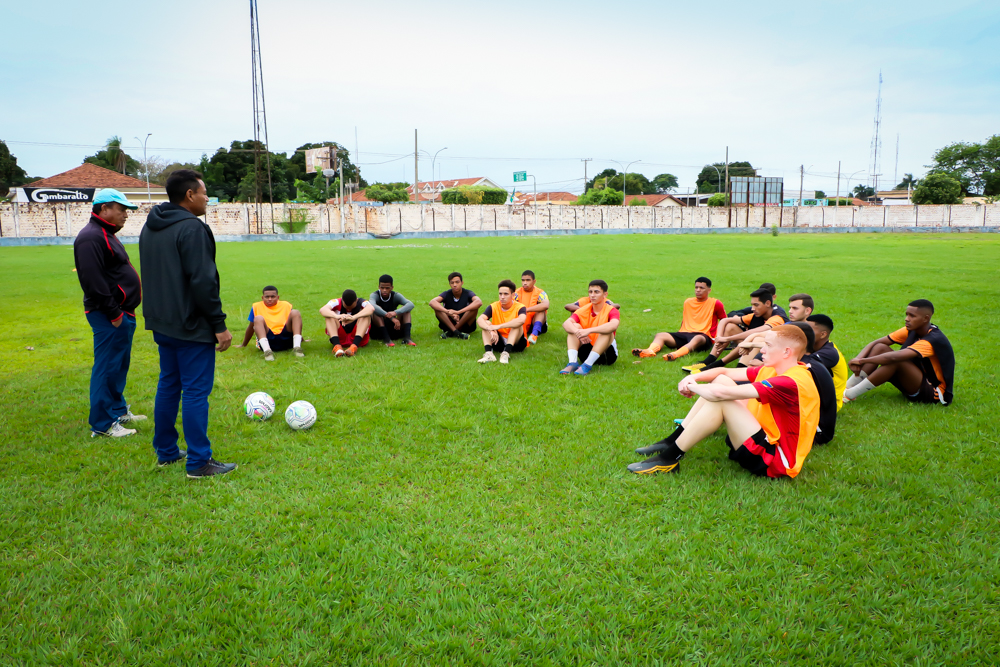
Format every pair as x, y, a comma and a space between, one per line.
296, 340
859, 388
592, 358
854, 379
264, 345
574, 356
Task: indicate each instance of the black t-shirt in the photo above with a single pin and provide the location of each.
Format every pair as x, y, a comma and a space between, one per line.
489, 311
449, 301
778, 310
826, 355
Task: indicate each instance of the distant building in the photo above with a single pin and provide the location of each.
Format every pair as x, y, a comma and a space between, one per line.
430, 191
544, 198
656, 200
894, 197
82, 183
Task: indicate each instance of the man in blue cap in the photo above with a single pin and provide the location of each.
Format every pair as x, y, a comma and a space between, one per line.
111, 293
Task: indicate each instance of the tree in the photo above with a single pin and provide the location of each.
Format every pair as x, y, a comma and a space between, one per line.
718, 199
938, 188
638, 202
863, 191
386, 193
11, 175
165, 172
603, 176
636, 184
908, 182
975, 166
708, 179
602, 197
316, 191
820, 194
229, 173
114, 158
664, 183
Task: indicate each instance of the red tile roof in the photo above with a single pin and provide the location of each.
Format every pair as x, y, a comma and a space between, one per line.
524, 198
651, 200
90, 176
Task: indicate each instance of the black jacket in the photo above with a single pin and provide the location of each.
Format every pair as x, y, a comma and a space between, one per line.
177, 251
110, 283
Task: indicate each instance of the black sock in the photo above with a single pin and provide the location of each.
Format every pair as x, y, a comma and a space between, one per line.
508, 348
673, 452
718, 363
357, 340
709, 359
385, 334
488, 348
406, 330
334, 340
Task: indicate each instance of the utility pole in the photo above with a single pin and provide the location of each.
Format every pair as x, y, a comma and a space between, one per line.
585, 161
727, 175
416, 167
895, 171
838, 184
802, 176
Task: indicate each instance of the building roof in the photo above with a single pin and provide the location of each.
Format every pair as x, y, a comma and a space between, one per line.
525, 198
431, 190
894, 194
652, 200
89, 175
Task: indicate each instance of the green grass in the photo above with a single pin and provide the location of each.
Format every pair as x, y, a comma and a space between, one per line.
442, 512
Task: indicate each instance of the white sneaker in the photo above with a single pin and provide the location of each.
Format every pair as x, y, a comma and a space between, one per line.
128, 417
505, 357
116, 431
269, 356
298, 352
488, 357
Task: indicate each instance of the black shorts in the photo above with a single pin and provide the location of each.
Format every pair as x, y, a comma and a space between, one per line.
281, 341
682, 338
468, 328
926, 394
752, 463
609, 357
519, 346
394, 333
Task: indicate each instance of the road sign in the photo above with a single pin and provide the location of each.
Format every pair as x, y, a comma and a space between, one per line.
520, 176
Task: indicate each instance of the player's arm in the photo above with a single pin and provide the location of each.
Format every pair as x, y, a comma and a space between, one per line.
403, 305
327, 311
378, 310
743, 335
689, 386
888, 357
364, 312
866, 352
437, 303
475, 304
573, 307
571, 326
518, 321
610, 326
722, 326
484, 323
753, 341
539, 307
247, 335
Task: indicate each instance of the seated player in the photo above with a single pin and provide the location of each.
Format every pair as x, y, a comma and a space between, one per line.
774, 293
923, 369
347, 319
762, 318
771, 421
536, 302
590, 332
828, 354
456, 309
827, 426
699, 319
278, 326
502, 323
800, 307
583, 301
391, 313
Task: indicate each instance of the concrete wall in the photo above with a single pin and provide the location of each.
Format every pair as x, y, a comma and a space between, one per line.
65, 220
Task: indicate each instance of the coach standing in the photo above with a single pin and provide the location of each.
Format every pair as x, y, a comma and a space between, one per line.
111, 293
184, 312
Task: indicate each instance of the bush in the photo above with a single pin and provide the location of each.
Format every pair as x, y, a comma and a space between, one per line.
602, 197
474, 194
638, 202
386, 195
843, 202
938, 188
718, 199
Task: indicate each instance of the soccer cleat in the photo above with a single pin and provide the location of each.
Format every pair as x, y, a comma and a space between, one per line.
211, 469
337, 351
180, 457
670, 356
693, 368
116, 431
445, 335
409, 342
532, 339
654, 465
128, 417
505, 357
582, 370
269, 356
487, 358
462, 335
298, 352
655, 448
569, 369
679, 421
389, 343
351, 351
642, 353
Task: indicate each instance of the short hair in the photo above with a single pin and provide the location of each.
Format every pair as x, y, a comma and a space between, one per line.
385, 278
822, 320
599, 283
793, 334
763, 294
703, 279
179, 182
349, 296
269, 288
923, 304
806, 300
528, 273
770, 288
509, 284
455, 274
97, 207
808, 331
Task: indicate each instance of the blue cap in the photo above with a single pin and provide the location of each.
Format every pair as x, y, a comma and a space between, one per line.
108, 195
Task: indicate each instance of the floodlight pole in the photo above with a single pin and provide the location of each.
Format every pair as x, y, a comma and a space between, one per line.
145, 164
624, 176
719, 174
534, 186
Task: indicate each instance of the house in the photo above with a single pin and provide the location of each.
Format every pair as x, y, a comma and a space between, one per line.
430, 191
655, 200
82, 183
544, 198
693, 199
893, 197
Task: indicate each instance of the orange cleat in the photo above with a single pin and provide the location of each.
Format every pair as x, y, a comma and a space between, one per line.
643, 354
351, 351
669, 356
337, 351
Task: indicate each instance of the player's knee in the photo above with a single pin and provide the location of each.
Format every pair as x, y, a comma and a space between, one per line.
258, 318
295, 313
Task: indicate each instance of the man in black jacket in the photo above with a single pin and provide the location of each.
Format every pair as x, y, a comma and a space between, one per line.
184, 312
111, 293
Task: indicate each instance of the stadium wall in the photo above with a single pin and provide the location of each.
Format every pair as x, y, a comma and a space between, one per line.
58, 221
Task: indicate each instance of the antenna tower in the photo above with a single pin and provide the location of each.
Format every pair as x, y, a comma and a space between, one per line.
259, 122
876, 138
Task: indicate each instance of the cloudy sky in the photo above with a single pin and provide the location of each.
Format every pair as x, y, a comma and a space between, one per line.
504, 87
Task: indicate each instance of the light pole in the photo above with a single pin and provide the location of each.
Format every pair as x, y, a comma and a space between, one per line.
718, 182
624, 175
534, 186
434, 160
145, 164
848, 179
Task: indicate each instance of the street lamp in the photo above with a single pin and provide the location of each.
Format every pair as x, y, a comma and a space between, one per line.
848, 179
145, 164
624, 175
718, 182
434, 160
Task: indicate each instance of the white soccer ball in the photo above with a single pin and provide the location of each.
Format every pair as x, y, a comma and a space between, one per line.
300, 415
259, 406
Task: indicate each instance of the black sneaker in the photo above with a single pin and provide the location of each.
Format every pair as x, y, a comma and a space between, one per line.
654, 465
655, 448
462, 335
180, 457
211, 468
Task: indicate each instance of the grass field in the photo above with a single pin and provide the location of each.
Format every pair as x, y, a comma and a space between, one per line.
442, 512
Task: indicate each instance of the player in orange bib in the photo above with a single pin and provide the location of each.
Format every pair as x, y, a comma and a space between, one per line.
278, 326
771, 421
536, 303
699, 319
590, 332
501, 323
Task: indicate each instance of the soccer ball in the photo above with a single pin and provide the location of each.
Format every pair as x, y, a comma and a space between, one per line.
259, 406
300, 415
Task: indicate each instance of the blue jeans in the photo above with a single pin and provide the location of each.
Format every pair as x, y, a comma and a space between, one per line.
112, 355
189, 368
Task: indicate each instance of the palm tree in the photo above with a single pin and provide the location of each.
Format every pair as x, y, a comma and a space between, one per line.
116, 155
908, 182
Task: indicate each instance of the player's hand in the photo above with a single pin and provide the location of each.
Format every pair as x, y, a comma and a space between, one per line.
225, 340
395, 323
494, 337
684, 387
454, 316
238, 346
855, 365
117, 323
391, 314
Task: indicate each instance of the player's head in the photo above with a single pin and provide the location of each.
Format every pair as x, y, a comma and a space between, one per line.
186, 188
112, 207
822, 326
349, 298
918, 314
597, 291
810, 335
455, 280
506, 292
770, 288
702, 288
269, 295
761, 301
782, 344
800, 306
528, 280
385, 285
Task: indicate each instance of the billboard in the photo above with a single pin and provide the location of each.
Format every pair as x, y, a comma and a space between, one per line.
755, 191
54, 195
318, 159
